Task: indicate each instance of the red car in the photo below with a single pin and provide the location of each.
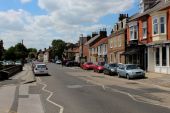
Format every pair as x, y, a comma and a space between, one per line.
87, 65
99, 67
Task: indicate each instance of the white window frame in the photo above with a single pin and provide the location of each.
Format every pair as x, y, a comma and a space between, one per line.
158, 17
144, 26
132, 29
153, 25
161, 23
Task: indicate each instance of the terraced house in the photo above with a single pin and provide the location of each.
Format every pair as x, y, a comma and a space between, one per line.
93, 44
148, 36
116, 41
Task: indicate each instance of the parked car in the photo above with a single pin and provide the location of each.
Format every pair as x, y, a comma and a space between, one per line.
110, 69
18, 62
40, 69
58, 62
87, 65
99, 67
71, 63
130, 71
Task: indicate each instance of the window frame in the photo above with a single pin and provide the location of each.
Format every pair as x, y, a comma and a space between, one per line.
153, 25
161, 23
144, 26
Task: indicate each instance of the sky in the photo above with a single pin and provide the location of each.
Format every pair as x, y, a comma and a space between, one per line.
38, 22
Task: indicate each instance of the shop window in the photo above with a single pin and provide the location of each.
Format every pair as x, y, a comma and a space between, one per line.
157, 57
164, 56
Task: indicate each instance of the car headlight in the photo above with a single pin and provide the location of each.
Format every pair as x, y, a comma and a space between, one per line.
112, 70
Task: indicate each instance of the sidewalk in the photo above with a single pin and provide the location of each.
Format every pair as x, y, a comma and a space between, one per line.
162, 80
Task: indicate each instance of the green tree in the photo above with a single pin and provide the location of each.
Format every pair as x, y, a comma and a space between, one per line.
32, 53
10, 54
58, 47
21, 51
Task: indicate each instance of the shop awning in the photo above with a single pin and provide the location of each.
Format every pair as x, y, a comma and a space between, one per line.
131, 52
158, 43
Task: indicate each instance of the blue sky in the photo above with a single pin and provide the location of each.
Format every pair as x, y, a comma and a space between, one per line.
38, 22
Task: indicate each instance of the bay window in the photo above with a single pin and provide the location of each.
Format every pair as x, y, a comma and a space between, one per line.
155, 26
159, 25
162, 24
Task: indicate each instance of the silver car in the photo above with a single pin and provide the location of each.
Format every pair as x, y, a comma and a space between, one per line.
130, 71
40, 69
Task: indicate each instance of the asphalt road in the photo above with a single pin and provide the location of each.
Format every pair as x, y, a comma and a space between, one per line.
62, 92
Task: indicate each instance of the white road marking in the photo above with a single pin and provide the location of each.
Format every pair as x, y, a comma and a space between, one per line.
128, 94
51, 94
137, 100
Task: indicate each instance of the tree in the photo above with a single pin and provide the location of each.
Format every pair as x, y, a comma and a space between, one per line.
10, 54
58, 47
21, 51
32, 52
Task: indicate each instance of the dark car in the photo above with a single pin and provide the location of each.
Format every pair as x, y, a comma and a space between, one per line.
71, 63
110, 69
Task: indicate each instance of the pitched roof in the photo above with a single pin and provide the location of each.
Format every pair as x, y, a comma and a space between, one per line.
92, 39
160, 5
102, 41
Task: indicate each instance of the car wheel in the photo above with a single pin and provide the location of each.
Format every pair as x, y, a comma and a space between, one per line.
104, 72
127, 76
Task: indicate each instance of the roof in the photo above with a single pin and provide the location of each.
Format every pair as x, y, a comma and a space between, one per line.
160, 5
102, 41
92, 39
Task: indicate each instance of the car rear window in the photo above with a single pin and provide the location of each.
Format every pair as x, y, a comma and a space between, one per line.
41, 66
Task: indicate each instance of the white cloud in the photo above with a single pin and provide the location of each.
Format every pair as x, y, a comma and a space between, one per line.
25, 1
66, 20
78, 11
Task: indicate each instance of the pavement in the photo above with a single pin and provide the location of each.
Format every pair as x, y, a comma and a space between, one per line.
157, 79
20, 92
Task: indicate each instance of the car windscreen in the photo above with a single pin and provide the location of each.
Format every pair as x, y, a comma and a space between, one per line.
129, 67
101, 63
113, 65
89, 63
41, 66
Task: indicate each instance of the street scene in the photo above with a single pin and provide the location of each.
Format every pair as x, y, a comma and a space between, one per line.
73, 90
84, 56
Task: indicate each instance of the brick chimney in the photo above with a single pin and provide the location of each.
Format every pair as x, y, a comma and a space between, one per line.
103, 32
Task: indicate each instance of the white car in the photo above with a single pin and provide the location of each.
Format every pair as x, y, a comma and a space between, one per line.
58, 62
40, 69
